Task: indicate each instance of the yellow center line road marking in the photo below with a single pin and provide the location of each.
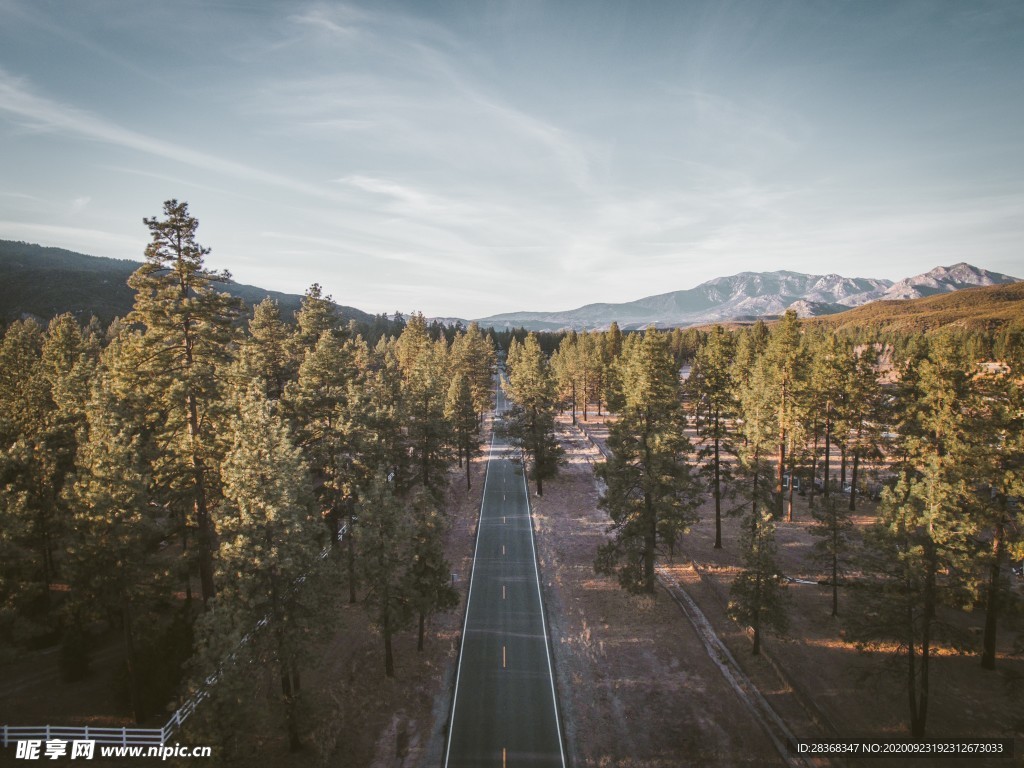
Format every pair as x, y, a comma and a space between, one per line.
502, 591
503, 657
503, 549
503, 757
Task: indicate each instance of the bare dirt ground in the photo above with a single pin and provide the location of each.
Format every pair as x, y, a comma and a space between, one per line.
637, 686
820, 685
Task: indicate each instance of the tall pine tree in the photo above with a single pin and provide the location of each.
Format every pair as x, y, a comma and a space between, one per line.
651, 493
183, 349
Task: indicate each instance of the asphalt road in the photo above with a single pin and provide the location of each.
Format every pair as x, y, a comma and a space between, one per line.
504, 712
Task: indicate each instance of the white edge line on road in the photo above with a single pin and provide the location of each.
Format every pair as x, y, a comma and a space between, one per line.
543, 621
472, 571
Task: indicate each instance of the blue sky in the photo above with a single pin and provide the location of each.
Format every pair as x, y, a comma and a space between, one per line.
468, 158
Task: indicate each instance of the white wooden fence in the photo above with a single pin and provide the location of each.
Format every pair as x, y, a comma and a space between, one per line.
131, 737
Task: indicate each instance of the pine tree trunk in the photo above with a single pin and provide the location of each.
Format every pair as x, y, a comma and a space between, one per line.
651, 534
926, 640
184, 549
814, 464
650, 542
792, 476
988, 653
853, 480
419, 641
131, 662
469, 481
842, 466
718, 491
351, 562
585, 384
290, 690
778, 474
828, 451
205, 529
916, 731
389, 659
756, 651
835, 564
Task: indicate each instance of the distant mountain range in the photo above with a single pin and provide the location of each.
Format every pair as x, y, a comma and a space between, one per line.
752, 295
40, 281
44, 282
981, 308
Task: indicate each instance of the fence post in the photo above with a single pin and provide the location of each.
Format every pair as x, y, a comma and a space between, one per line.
47, 732
5, 735
87, 733
124, 736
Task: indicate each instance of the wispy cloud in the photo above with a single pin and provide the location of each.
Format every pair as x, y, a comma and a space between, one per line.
96, 241
44, 115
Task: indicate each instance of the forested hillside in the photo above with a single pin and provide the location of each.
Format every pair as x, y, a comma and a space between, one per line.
205, 488
46, 282
975, 309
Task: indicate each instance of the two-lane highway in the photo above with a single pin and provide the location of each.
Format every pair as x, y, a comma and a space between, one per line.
504, 712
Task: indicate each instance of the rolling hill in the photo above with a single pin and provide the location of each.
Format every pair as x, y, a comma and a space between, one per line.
44, 282
977, 308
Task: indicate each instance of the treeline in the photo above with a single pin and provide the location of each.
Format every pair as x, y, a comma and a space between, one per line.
179, 474
929, 426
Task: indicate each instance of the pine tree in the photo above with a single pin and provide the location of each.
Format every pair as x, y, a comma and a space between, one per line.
917, 537
473, 356
566, 370
425, 383
833, 528
918, 557
461, 413
589, 363
757, 597
266, 353
651, 494
317, 402
428, 579
714, 395
270, 539
530, 422
994, 460
782, 365
116, 532
865, 414
186, 332
37, 445
373, 426
317, 314
385, 548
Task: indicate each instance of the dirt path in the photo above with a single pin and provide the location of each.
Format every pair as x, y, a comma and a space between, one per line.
637, 685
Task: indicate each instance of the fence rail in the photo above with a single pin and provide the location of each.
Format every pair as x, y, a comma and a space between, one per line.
127, 737
134, 737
